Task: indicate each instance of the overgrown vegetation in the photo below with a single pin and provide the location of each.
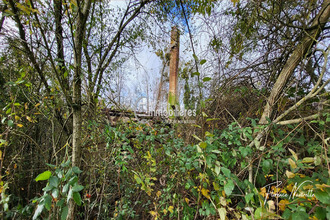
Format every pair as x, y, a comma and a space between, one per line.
257, 78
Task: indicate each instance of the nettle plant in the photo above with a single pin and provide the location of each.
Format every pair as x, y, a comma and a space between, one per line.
62, 186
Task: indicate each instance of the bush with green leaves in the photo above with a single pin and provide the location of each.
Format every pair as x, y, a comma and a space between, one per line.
209, 179
62, 185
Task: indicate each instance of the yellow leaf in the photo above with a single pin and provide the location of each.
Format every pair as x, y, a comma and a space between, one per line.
158, 193
37, 105
289, 174
164, 211
0, 154
203, 145
292, 163
276, 189
29, 118
290, 187
153, 213
308, 160
282, 204
216, 186
187, 200
293, 154
170, 209
222, 213
234, 2
223, 201
271, 205
17, 118
321, 187
23, 8
308, 187
263, 191
20, 125
205, 193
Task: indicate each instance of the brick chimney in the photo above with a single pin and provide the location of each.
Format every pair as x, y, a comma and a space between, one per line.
174, 64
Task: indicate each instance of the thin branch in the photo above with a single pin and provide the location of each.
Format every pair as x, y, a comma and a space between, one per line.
192, 47
298, 120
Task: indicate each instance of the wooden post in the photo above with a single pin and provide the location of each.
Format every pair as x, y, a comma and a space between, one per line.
174, 64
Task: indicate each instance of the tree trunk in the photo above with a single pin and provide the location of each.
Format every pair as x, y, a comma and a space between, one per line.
308, 40
174, 63
83, 11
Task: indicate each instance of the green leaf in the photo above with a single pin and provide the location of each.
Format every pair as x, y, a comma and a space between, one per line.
212, 119
76, 170
53, 181
50, 165
195, 57
69, 196
55, 193
77, 188
244, 151
59, 173
65, 188
68, 174
195, 74
60, 202
77, 198
73, 180
229, 187
48, 202
196, 137
202, 62
3, 120
66, 164
43, 176
320, 213
217, 170
47, 188
137, 179
204, 115
266, 166
226, 171
64, 213
258, 213
208, 134
322, 196
249, 197
300, 215
206, 79
10, 123
328, 212
38, 211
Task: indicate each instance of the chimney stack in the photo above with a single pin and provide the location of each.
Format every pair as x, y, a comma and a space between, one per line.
174, 64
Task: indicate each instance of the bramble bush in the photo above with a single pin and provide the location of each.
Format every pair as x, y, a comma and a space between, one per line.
162, 177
